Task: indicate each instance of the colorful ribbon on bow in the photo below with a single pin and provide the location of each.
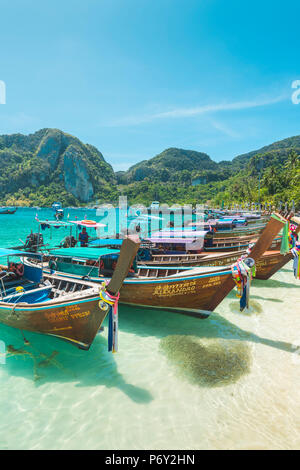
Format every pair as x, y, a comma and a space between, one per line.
293, 236
296, 265
242, 275
284, 247
289, 238
110, 301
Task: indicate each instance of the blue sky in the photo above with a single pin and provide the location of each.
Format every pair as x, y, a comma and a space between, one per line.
135, 77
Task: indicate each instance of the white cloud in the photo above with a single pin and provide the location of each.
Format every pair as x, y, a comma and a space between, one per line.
194, 111
224, 129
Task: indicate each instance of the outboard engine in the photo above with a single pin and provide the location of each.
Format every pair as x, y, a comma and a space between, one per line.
33, 242
68, 242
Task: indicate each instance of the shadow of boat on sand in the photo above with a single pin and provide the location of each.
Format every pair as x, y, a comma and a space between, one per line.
50, 360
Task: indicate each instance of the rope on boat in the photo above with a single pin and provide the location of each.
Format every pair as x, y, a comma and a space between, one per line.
21, 291
109, 301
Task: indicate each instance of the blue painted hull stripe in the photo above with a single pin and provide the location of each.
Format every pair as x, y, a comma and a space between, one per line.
29, 307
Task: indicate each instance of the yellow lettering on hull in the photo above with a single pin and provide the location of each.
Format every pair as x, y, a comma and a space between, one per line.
64, 315
171, 290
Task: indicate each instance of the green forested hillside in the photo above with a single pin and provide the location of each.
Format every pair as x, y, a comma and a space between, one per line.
171, 165
270, 174
52, 165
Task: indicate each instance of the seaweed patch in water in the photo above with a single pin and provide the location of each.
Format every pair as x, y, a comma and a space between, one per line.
44, 360
207, 362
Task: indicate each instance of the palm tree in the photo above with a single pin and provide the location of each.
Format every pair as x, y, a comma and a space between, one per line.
270, 179
292, 161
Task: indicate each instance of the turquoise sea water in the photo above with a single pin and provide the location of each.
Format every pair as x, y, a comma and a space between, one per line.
229, 382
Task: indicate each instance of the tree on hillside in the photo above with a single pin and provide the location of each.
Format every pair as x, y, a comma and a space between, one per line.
271, 179
292, 161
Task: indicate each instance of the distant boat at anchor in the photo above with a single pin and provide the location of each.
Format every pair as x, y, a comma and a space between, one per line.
7, 210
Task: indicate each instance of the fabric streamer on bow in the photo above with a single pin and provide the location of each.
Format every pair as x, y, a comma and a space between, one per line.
293, 236
296, 265
242, 272
108, 301
284, 247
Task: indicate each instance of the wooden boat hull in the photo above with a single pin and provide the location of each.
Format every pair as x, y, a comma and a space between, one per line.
239, 233
267, 265
7, 211
75, 321
192, 293
236, 244
270, 263
173, 263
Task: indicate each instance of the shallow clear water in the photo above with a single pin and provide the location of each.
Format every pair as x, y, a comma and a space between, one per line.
231, 381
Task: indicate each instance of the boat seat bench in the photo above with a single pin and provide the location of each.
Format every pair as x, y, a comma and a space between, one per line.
40, 294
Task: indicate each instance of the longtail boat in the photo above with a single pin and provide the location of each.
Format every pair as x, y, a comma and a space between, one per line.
198, 241
177, 254
194, 292
7, 210
53, 305
267, 265
232, 232
151, 262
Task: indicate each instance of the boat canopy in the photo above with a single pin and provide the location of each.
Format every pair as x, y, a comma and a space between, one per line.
88, 223
106, 242
172, 240
55, 223
224, 221
233, 219
190, 243
12, 252
200, 223
83, 253
59, 223
180, 234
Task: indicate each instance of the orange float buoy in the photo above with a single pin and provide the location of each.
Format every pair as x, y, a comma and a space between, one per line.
88, 222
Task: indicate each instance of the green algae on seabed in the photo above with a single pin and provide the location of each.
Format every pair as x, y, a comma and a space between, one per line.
47, 361
207, 362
